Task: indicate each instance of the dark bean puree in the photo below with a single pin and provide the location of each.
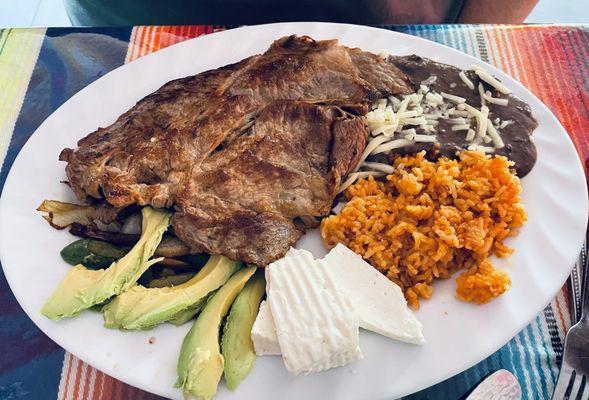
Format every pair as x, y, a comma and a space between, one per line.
519, 146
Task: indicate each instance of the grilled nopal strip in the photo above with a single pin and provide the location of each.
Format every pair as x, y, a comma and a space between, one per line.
82, 288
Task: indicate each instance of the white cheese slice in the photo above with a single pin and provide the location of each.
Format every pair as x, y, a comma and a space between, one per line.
378, 302
264, 332
316, 326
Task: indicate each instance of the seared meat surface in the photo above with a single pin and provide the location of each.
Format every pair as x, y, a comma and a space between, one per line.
249, 153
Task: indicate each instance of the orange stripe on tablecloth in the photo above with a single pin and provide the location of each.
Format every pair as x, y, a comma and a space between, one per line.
97, 393
176, 38
88, 373
150, 41
67, 376
165, 36
509, 61
77, 377
517, 56
191, 31
107, 386
135, 43
494, 48
493, 51
140, 32
144, 39
131, 46
162, 31
183, 33
561, 317
526, 62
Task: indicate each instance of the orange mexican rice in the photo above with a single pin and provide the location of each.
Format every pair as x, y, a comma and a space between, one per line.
430, 219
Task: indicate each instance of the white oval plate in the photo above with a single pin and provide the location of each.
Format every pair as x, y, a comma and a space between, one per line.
554, 194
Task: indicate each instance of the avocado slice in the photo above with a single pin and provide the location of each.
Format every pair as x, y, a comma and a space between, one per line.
200, 365
144, 308
237, 346
82, 287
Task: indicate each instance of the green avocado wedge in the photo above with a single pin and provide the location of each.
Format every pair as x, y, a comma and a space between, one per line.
201, 363
82, 287
143, 308
236, 345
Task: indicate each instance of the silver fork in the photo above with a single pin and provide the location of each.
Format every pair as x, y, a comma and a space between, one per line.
574, 372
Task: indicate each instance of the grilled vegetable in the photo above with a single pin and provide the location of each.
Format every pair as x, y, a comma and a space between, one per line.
92, 254
171, 280
82, 287
61, 215
170, 246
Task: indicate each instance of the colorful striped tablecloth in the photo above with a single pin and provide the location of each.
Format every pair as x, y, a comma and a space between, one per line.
41, 68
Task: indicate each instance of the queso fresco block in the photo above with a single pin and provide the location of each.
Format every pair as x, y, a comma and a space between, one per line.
316, 326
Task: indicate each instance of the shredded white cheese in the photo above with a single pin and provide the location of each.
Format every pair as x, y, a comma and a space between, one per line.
424, 138
487, 77
470, 135
357, 175
486, 149
460, 127
434, 98
505, 123
386, 168
492, 132
466, 81
430, 80
457, 121
393, 144
482, 94
372, 144
494, 100
455, 99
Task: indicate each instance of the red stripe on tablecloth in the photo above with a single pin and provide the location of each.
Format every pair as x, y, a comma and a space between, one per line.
98, 392
78, 375
68, 376
557, 73
577, 121
88, 373
580, 77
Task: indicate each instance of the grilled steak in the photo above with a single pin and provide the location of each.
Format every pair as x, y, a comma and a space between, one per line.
249, 153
